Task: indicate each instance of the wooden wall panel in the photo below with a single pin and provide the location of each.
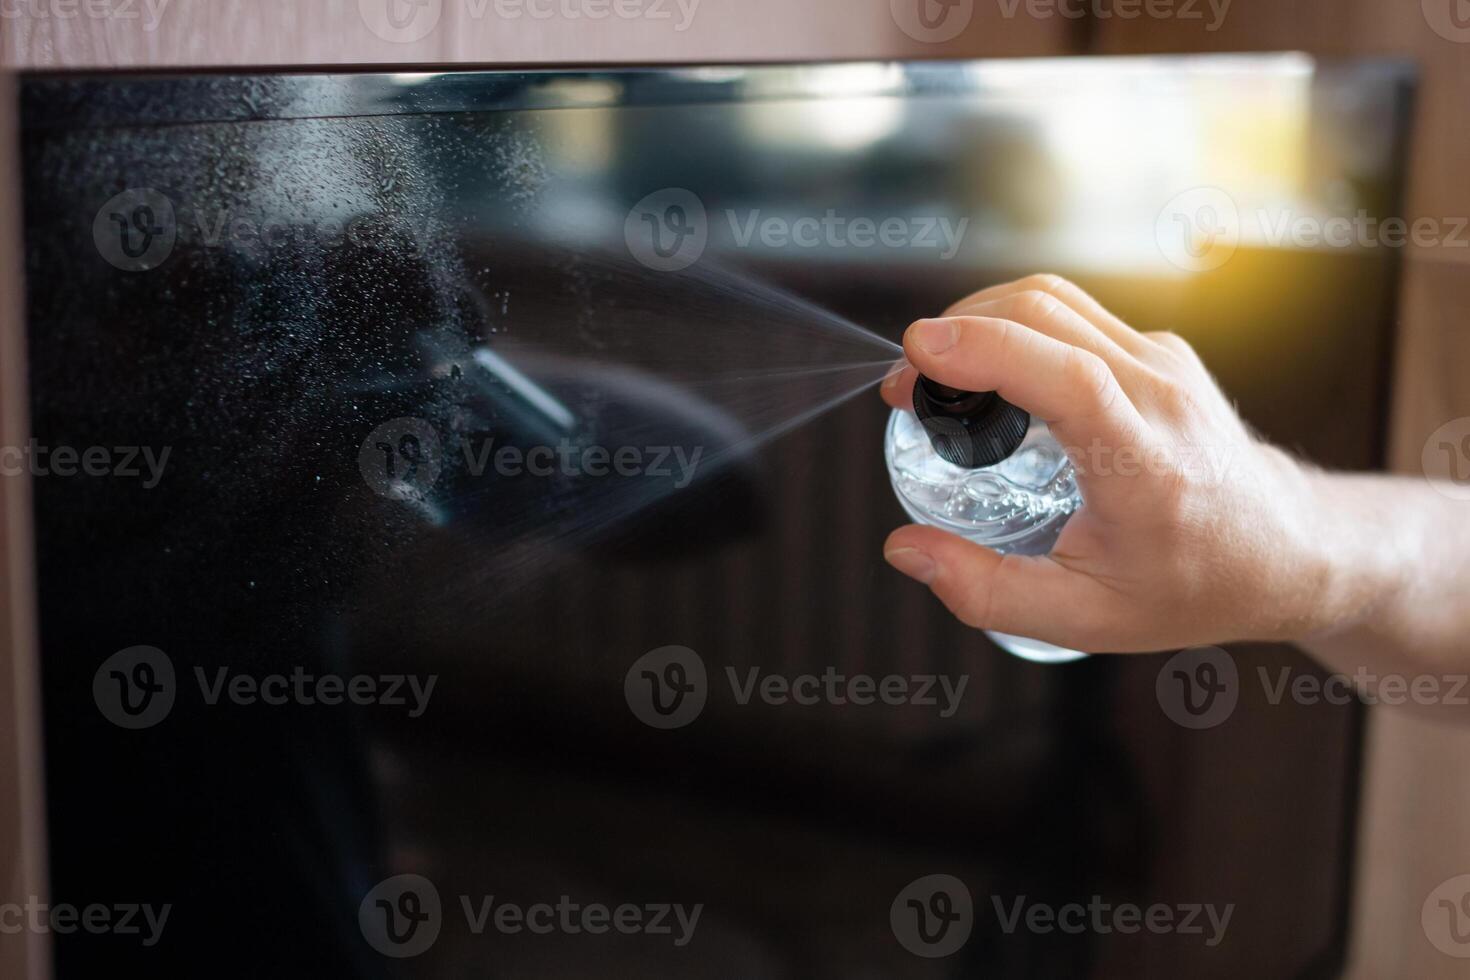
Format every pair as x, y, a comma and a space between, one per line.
22, 832
1415, 821
337, 32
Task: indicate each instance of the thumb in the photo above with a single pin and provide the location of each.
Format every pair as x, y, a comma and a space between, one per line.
1027, 596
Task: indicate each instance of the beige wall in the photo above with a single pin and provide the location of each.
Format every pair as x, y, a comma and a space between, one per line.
336, 32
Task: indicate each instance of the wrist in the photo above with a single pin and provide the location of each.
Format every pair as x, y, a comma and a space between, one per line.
1353, 558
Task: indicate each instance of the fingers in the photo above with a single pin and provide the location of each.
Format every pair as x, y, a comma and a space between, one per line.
1025, 596
1070, 295
1053, 306
1071, 388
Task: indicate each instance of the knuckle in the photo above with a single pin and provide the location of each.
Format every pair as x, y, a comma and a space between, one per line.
1033, 305
1090, 376
1172, 342
1177, 402
1047, 282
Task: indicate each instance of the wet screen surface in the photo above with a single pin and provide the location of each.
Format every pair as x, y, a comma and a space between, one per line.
496, 499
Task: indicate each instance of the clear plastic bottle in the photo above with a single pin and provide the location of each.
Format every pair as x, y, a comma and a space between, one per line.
1018, 505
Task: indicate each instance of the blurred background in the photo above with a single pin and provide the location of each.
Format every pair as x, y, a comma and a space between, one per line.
505, 231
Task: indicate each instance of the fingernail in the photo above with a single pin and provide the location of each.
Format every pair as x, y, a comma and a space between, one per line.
936, 336
913, 563
895, 374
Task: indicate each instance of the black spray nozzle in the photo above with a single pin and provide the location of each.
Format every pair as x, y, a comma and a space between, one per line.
969, 428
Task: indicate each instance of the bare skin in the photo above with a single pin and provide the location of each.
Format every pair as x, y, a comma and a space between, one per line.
1194, 531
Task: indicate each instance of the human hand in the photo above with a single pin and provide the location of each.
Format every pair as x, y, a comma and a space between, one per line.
1193, 531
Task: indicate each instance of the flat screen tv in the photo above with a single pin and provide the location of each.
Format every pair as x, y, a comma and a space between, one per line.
357, 662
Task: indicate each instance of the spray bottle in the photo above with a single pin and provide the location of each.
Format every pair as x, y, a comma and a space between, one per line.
971, 463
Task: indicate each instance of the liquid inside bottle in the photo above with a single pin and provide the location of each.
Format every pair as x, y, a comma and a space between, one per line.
1018, 506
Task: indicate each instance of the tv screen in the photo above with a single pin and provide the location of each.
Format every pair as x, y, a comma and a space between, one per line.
459, 546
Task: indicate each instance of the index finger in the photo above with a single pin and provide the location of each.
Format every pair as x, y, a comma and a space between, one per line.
1070, 388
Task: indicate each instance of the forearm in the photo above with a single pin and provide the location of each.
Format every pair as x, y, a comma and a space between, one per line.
1397, 595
